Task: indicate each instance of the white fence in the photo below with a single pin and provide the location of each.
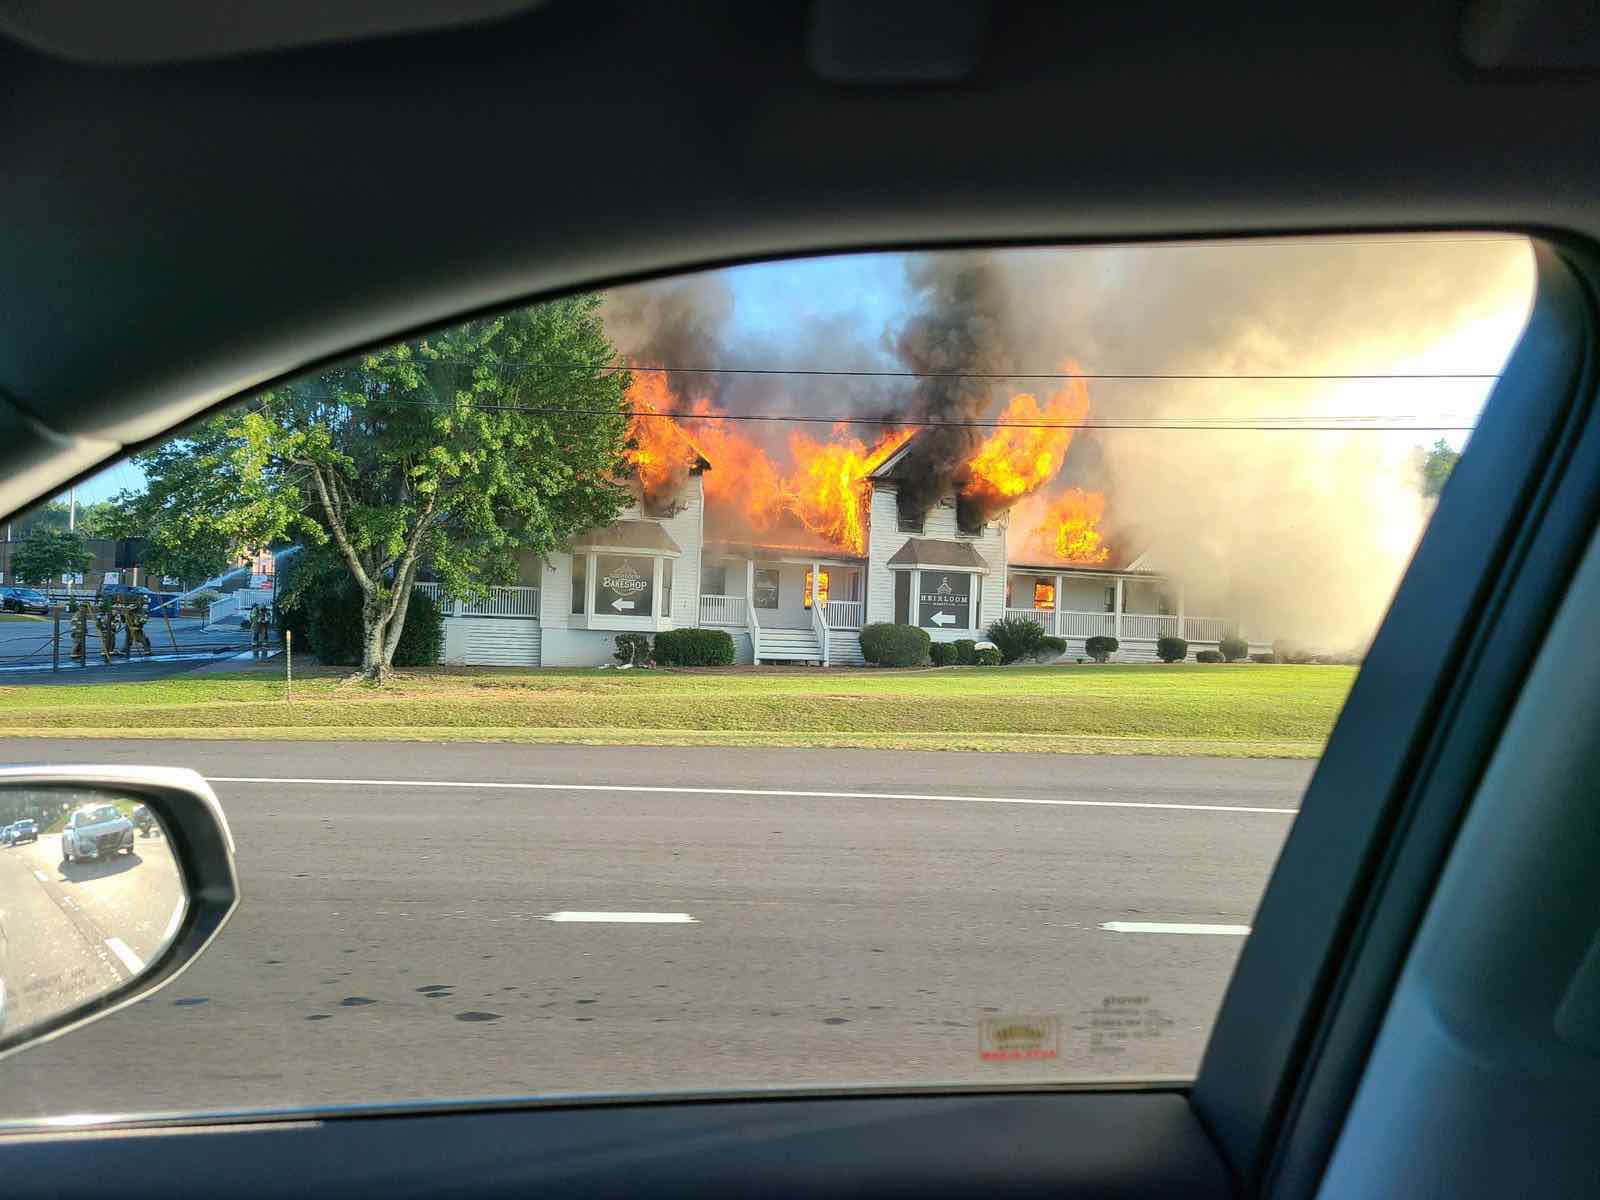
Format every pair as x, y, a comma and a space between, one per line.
721, 610
1206, 629
1146, 626
496, 602
844, 614
1086, 624
1039, 616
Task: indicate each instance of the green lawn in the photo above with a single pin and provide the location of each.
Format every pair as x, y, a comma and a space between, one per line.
1240, 710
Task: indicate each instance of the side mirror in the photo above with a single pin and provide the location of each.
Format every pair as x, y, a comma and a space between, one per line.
112, 881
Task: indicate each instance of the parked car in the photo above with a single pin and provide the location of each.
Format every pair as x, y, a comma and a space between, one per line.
23, 600
25, 830
95, 831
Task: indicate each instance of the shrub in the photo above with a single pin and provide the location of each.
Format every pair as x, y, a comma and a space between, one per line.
1101, 648
1051, 648
888, 645
1234, 648
986, 656
693, 648
964, 648
633, 648
943, 654
202, 599
333, 615
1290, 652
1172, 649
1017, 637
1208, 656
1264, 658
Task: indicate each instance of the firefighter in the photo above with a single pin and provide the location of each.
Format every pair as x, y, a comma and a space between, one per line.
105, 621
80, 631
260, 621
135, 616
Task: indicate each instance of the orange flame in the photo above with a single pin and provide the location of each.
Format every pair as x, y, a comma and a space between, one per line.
828, 489
1019, 457
1066, 527
659, 450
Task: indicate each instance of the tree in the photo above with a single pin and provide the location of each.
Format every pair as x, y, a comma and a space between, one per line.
178, 541
46, 554
1437, 463
458, 450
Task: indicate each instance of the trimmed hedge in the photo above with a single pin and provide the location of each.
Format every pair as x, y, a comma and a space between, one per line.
1269, 657
986, 656
1101, 648
333, 625
964, 648
1234, 648
1172, 649
943, 654
1208, 656
1053, 647
1017, 638
633, 648
693, 648
886, 645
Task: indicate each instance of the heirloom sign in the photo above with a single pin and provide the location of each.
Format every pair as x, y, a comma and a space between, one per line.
623, 587
945, 601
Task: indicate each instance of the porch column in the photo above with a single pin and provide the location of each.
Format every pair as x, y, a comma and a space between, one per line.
1180, 609
1116, 614
816, 582
1056, 617
750, 609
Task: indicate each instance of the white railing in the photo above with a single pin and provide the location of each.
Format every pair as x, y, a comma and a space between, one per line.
221, 610
1085, 624
721, 610
1039, 616
1148, 625
845, 614
496, 602
502, 602
1205, 629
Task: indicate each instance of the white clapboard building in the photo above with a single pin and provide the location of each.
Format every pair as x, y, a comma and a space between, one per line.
786, 604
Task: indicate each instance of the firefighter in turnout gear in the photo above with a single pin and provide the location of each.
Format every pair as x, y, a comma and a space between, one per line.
134, 618
80, 631
260, 620
105, 620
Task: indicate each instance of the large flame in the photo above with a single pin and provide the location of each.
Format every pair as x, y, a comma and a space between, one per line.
659, 450
1028, 449
828, 488
1064, 527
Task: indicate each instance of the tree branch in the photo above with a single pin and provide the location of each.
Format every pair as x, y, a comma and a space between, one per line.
340, 539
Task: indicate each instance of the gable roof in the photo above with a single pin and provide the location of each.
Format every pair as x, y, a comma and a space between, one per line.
639, 537
932, 552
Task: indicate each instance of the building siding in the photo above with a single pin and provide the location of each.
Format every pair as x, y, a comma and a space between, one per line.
884, 540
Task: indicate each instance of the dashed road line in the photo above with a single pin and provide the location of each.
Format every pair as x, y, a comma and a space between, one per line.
624, 918
1174, 927
132, 961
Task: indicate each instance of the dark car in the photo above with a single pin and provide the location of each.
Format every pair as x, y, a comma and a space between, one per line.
23, 600
25, 830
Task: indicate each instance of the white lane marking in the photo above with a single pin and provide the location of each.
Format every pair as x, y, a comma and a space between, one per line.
172, 923
716, 791
1173, 927
132, 961
69, 902
624, 918
41, 876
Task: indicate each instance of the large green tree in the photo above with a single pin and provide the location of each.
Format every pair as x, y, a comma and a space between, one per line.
46, 554
455, 450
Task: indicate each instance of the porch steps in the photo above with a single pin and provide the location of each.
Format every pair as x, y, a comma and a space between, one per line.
844, 648
790, 645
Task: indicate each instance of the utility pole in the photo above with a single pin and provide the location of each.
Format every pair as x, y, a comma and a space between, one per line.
72, 510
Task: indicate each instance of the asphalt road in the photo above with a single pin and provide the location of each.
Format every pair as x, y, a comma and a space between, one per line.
77, 930
395, 939
25, 645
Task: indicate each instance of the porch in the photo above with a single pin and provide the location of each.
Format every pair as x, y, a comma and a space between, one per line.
792, 608
1135, 609
498, 628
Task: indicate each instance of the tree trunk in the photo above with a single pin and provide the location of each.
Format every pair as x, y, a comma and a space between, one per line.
374, 662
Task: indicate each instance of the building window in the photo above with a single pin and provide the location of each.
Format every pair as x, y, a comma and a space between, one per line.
713, 581
1044, 594
580, 581
1111, 598
910, 522
944, 600
766, 589
902, 597
624, 585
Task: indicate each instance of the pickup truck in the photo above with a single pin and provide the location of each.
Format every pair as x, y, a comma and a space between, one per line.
95, 831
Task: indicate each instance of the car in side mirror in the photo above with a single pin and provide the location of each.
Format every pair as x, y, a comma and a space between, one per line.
121, 878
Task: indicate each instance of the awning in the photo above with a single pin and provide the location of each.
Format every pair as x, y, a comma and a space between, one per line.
629, 537
933, 553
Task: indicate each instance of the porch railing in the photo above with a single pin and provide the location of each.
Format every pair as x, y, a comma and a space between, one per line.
1085, 624
721, 610
496, 602
1039, 616
1205, 629
845, 614
1148, 625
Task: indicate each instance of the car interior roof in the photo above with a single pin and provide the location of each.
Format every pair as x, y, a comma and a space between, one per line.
179, 232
